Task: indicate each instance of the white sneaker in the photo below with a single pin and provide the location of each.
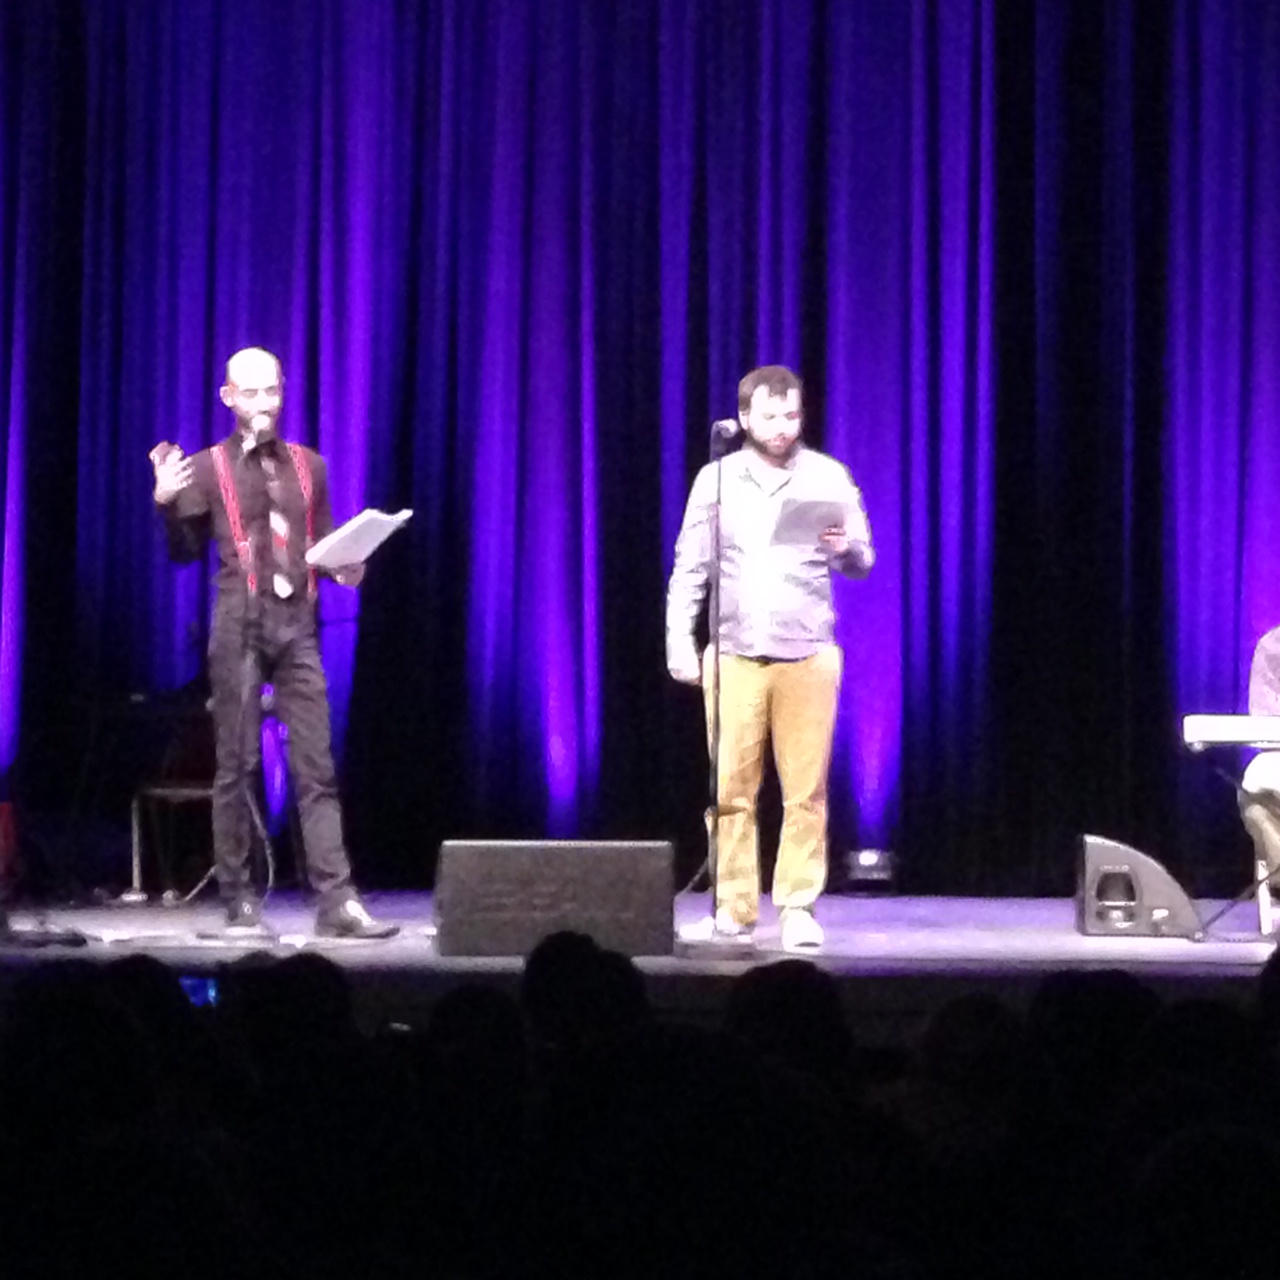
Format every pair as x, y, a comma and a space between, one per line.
715, 928
800, 931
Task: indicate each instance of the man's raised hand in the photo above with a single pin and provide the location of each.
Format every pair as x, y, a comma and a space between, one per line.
172, 469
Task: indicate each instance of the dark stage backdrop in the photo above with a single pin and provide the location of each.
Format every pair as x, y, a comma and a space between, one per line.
515, 255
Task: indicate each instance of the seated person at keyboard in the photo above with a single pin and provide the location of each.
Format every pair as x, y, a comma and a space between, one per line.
1260, 787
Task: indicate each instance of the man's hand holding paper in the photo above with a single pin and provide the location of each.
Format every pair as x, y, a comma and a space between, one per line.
837, 524
852, 533
836, 539
350, 575
802, 522
810, 521
350, 545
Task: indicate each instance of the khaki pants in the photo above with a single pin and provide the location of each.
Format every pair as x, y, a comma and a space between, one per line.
793, 704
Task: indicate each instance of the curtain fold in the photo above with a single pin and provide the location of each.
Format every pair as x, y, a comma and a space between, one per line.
515, 256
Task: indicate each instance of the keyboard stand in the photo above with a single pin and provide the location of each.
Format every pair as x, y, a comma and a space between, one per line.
1200, 732
1266, 922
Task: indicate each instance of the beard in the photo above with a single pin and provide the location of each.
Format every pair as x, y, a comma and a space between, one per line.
765, 449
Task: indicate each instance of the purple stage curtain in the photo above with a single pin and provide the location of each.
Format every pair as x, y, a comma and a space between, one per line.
515, 255
1222, 454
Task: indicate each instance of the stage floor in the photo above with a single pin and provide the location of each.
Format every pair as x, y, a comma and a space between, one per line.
896, 958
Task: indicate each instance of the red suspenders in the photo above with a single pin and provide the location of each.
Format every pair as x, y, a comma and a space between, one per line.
304, 483
231, 501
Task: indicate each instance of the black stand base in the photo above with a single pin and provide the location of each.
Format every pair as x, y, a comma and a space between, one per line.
239, 935
716, 948
41, 936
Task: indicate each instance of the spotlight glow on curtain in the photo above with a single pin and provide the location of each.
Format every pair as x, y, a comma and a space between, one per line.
10, 480
12, 383
910, 371
516, 257
230, 203
284, 177
533, 636
11, 586
1223, 443
22, 107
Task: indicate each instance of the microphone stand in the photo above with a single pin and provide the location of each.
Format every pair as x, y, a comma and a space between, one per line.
250, 691
251, 624
720, 446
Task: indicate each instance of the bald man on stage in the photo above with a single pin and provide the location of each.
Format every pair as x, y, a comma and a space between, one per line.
264, 502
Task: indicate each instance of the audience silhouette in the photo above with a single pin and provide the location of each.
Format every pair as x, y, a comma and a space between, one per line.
570, 1129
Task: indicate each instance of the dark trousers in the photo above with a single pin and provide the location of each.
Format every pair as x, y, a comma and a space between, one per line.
277, 645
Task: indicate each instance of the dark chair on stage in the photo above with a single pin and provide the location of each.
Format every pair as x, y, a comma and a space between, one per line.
184, 776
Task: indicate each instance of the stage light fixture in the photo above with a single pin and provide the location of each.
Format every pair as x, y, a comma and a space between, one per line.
869, 868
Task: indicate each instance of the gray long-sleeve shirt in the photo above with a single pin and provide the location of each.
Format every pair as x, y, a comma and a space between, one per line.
775, 590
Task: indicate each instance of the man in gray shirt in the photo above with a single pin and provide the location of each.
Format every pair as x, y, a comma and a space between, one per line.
788, 516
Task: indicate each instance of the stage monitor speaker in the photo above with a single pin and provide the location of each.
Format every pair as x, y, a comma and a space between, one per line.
502, 897
1122, 891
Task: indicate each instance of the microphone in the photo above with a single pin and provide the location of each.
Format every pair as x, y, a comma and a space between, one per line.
259, 431
724, 435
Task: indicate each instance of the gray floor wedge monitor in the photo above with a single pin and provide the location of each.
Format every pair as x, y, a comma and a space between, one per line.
501, 897
1122, 891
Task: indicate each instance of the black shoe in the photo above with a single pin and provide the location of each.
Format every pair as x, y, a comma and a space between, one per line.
349, 919
244, 913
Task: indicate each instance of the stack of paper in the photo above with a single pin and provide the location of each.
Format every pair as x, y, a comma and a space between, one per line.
354, 542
